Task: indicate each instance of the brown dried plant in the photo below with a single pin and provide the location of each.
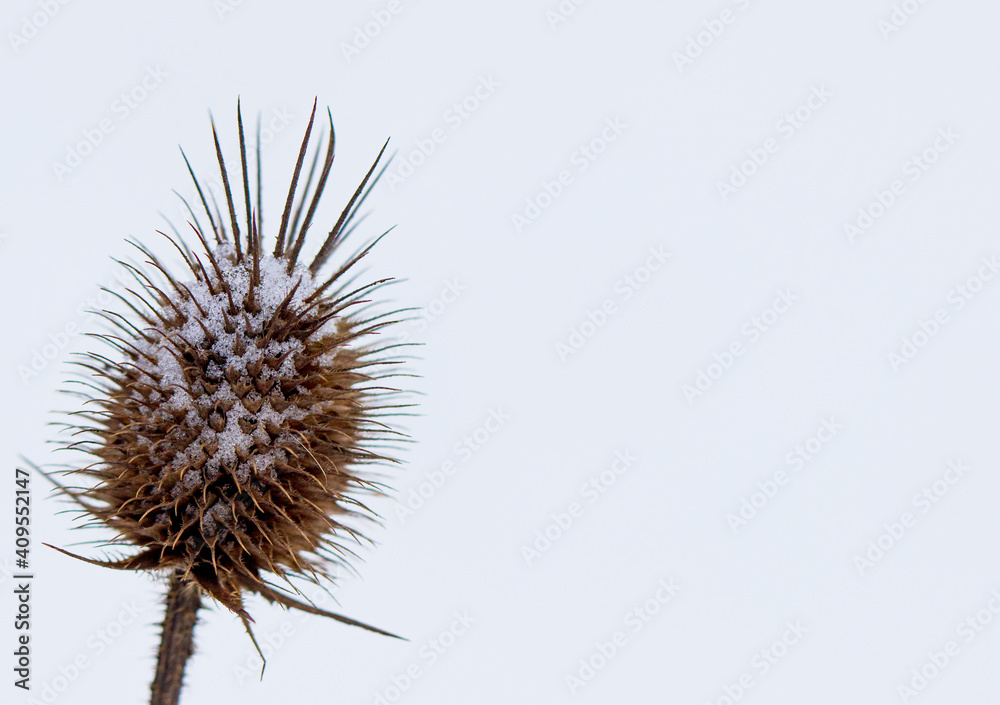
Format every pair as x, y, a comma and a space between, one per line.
232, 429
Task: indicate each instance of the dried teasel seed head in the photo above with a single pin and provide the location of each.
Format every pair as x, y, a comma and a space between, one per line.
230, 429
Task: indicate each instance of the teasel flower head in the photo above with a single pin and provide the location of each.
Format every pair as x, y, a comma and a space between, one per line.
233, 429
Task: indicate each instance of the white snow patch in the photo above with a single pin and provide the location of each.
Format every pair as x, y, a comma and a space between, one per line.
275, 284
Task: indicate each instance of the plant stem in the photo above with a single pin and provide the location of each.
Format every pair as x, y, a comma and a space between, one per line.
177, 641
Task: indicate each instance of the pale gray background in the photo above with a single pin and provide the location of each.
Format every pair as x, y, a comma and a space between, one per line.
495, 346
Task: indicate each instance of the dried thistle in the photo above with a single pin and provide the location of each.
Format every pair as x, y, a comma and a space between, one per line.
229, 429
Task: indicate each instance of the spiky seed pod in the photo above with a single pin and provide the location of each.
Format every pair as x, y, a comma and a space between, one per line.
232, 427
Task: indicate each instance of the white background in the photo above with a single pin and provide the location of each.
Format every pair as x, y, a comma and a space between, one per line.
687, 126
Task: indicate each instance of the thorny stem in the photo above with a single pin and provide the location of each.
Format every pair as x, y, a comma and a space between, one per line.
177, 641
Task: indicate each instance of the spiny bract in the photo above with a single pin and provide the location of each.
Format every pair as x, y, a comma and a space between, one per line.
230, 431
